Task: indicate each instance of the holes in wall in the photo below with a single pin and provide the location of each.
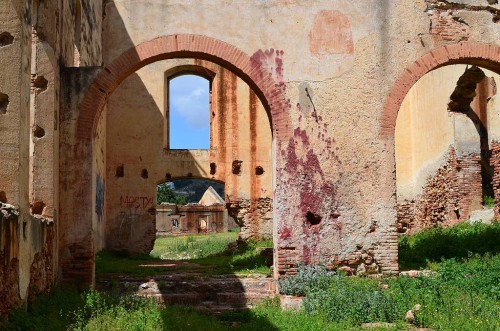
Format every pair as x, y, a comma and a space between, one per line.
144, 173
4, 103
168, 175
40, 83
237, 167
313, 219
24, 230
3, 197
259, 170
38, 132
6, 39
213, 168
37, 208
120, 171
190, 174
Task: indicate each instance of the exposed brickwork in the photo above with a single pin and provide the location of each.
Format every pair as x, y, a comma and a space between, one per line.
287, 261
183, 46
42, 273
495, 163
9, 253
447, 196
254, 216
9, 278
445, 25
78, 265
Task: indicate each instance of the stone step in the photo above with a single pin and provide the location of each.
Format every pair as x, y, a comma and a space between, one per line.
219, 293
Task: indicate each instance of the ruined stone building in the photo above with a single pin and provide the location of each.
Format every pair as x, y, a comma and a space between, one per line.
304, 125
209, 215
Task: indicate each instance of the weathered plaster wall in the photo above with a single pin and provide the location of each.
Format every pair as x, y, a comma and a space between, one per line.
348, 55
424, 130
29, 242
77, 224
240, 137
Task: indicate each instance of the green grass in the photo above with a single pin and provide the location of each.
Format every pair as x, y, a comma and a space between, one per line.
94, 311
488, 201
463, 294
460, 241
207, 254
192, 247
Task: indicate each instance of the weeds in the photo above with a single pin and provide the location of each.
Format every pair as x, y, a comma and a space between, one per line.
192, 247
460, 241
488, 201
212, 249
307, 279
463, 295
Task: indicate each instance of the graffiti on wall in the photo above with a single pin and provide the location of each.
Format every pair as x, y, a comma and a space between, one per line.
132, 202
99, 196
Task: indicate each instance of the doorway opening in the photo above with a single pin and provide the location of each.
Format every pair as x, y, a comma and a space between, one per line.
446, 130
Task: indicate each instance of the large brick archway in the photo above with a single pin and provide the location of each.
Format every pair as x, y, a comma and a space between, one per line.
76, 153
182, 46
482, 55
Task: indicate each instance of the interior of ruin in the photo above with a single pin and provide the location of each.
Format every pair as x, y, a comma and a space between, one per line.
334, 126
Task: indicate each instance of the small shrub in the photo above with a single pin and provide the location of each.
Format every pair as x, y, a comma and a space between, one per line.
307, 278
488, 201
235, 229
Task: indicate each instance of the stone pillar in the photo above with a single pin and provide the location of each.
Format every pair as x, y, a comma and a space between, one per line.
76, 247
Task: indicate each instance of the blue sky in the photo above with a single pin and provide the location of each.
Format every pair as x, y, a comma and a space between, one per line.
189, 113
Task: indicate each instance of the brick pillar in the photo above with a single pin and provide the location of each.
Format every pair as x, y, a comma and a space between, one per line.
495, 164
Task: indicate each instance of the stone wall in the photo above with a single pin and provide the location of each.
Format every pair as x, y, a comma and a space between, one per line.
447, 198
42, 270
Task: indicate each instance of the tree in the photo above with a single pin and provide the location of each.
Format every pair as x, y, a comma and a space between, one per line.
165, 193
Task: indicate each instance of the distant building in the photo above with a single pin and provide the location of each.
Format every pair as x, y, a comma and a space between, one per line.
209, 215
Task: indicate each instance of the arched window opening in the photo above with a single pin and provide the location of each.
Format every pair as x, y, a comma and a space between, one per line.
188, 110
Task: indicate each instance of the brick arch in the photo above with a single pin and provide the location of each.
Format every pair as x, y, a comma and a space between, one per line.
483, 55
182, 46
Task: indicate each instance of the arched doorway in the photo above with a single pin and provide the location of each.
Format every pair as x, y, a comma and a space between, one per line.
79, 242
482, 55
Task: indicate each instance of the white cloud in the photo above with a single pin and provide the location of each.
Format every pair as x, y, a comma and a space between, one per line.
189, 99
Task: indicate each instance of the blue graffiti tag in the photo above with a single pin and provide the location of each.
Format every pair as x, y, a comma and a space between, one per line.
99, 196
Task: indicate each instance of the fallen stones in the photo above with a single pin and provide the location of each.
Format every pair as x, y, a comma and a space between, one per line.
485, 216
290, 302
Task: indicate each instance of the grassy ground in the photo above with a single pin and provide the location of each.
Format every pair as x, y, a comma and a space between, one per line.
461, 241
205, 254
463, 294
192, 247
93, 311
